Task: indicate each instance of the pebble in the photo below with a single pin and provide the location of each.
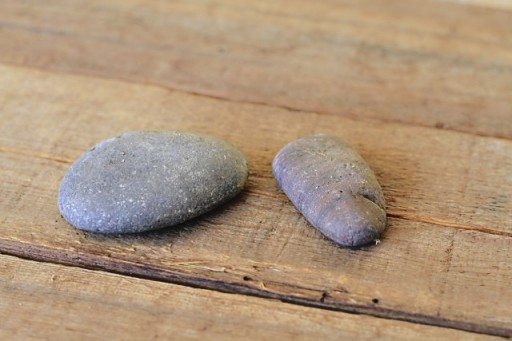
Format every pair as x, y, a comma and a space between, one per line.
142, 181
333, 187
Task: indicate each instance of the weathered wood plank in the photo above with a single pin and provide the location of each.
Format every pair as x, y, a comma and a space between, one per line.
438, 177
422, 62
425, 270
44, 301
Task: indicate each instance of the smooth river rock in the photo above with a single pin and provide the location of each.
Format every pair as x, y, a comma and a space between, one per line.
143, 181
333, 187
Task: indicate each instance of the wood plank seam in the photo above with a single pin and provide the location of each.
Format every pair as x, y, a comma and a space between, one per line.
62, 302
95, 262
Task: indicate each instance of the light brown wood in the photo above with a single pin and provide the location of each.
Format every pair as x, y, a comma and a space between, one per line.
44, 301
498, 4
443, 178
444, 259
414, 61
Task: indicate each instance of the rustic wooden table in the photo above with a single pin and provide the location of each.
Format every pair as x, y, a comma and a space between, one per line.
421, 88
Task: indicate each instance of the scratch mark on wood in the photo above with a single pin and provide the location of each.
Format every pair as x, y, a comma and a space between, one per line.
405, 216
447, 267
36, 155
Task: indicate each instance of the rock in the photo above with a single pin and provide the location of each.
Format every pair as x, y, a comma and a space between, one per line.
332, 186
143, 181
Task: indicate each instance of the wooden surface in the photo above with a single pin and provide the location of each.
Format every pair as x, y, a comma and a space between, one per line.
421, 89
499, 4
41, 296
421, 62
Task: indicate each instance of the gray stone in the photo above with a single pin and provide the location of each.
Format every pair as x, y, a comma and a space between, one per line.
332, 186
143, 181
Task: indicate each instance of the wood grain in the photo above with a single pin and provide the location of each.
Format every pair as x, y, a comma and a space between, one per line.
44, 301
432, 176
498, 4
443, 260
420, 62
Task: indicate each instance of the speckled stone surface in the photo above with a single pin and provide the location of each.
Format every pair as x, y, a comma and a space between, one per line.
333, 187
143, 181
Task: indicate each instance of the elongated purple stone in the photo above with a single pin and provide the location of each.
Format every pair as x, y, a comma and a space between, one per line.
333, 187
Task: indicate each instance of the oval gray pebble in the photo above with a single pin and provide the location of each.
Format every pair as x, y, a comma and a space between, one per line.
143, 181
333, 187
